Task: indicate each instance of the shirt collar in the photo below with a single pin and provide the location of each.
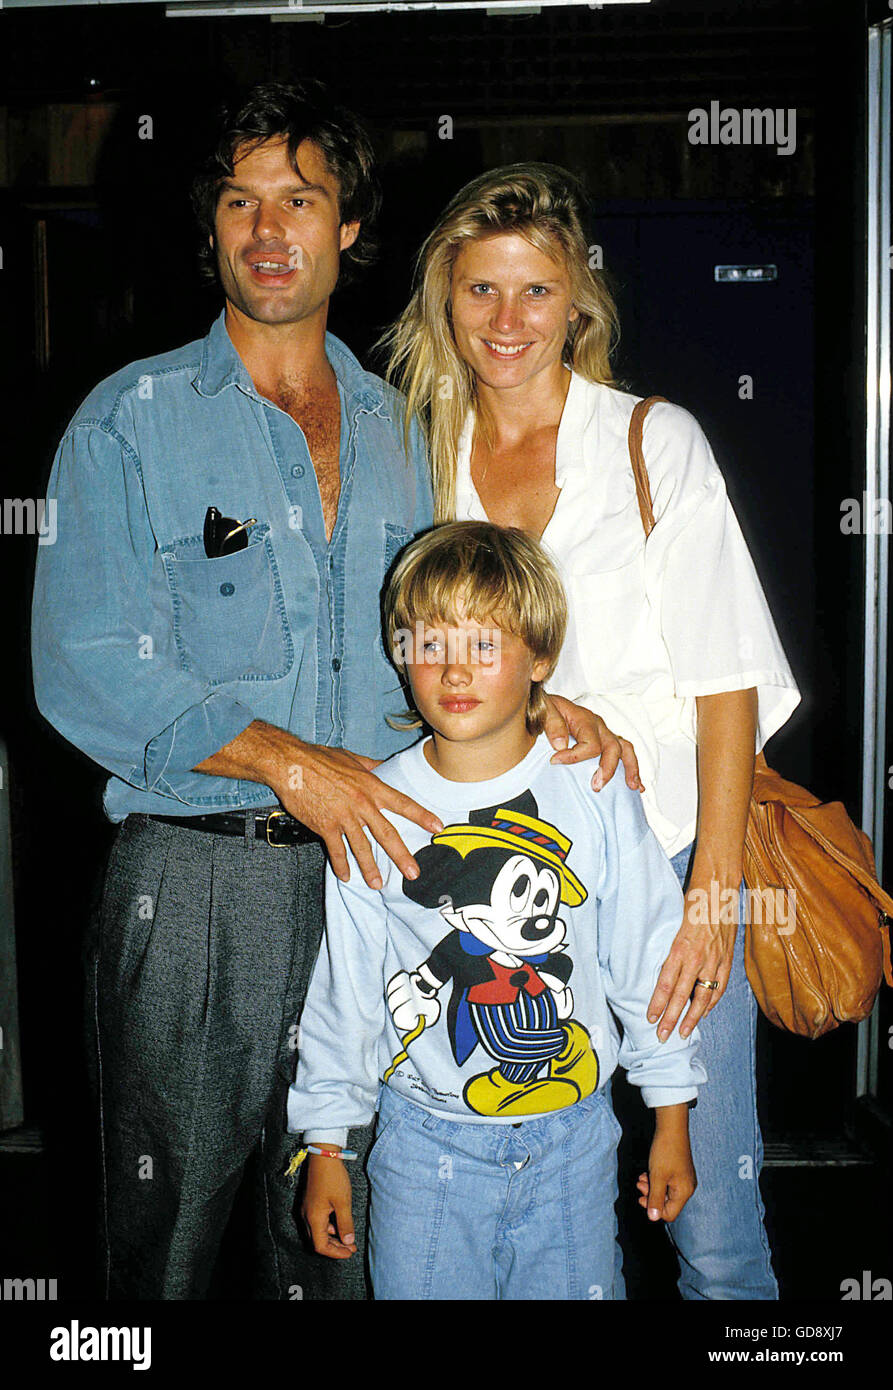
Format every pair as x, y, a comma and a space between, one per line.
221, 366
567, 445
568, 453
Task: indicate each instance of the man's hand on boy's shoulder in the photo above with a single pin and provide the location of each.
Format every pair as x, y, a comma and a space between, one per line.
671, 1179
331, 790
592, 739
327, 1207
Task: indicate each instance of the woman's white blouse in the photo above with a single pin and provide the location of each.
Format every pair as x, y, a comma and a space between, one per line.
654, 622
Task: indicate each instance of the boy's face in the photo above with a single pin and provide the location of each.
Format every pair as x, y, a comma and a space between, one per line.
471, 679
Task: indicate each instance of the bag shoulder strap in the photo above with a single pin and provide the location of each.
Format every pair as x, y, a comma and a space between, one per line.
637, 459
864, 877
881, 899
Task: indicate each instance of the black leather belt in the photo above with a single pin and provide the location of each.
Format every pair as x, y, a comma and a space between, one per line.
276, 826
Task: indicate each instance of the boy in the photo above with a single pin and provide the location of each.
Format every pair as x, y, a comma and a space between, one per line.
485, 994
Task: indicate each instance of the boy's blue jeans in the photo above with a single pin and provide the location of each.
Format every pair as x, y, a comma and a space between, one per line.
494, 1211
719, 1235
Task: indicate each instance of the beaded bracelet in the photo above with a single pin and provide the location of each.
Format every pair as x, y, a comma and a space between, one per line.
299, 1157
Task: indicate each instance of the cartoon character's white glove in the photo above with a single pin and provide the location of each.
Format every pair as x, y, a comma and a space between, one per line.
410, 998
562, 994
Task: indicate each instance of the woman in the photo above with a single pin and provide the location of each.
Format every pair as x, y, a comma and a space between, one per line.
503, 352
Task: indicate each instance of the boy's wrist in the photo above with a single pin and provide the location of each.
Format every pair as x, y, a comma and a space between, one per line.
671, 1119
323, 1163
331, 1138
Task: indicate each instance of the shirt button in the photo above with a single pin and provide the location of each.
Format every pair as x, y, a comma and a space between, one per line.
227, 589
298, 471
336, 663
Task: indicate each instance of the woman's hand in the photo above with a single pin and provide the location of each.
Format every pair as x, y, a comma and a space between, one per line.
592, 737
702, 950
327, 1207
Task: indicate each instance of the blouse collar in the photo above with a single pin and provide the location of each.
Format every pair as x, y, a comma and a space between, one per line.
567, 446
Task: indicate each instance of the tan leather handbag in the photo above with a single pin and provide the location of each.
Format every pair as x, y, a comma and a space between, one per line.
817, 942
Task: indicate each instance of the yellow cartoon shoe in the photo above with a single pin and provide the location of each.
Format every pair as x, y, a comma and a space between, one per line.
491, 1094
576, 1061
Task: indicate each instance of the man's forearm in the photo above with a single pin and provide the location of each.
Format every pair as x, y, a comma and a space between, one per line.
257, 754
330, 790
726, 740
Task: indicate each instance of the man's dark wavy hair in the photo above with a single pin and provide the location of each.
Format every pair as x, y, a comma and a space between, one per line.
296, 111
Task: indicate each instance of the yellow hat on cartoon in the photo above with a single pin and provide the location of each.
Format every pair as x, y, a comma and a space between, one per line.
525, 835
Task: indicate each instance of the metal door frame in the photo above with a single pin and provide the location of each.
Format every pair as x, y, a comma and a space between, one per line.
877, 484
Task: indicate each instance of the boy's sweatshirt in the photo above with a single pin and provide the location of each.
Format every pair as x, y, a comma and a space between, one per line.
510, 979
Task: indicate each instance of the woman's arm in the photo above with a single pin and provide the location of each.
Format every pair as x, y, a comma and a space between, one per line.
726, 739
704, 944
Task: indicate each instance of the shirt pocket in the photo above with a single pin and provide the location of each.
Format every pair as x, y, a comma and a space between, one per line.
395, 538
609, 611
229, 616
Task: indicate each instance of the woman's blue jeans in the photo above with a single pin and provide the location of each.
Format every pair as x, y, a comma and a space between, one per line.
494, 1211
719, 1235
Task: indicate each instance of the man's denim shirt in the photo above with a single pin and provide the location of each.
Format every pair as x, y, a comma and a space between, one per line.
147, 655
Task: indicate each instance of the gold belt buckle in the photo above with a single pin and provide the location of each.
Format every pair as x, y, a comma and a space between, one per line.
274, 815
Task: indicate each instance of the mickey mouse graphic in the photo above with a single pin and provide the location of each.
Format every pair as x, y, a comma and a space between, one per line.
498, 882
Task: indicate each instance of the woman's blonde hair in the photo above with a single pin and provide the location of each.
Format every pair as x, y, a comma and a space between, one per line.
544, 204
475, 570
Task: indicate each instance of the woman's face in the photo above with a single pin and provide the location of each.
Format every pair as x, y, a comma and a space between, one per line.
511, 309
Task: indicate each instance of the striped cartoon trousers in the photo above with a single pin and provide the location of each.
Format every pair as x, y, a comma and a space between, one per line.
522, 1036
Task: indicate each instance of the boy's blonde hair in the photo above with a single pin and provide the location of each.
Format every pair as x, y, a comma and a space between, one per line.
473, 569
547, 206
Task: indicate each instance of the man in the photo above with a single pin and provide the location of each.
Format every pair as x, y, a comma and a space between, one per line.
220, 664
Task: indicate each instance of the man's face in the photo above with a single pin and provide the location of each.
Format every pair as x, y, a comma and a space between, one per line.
277, 235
